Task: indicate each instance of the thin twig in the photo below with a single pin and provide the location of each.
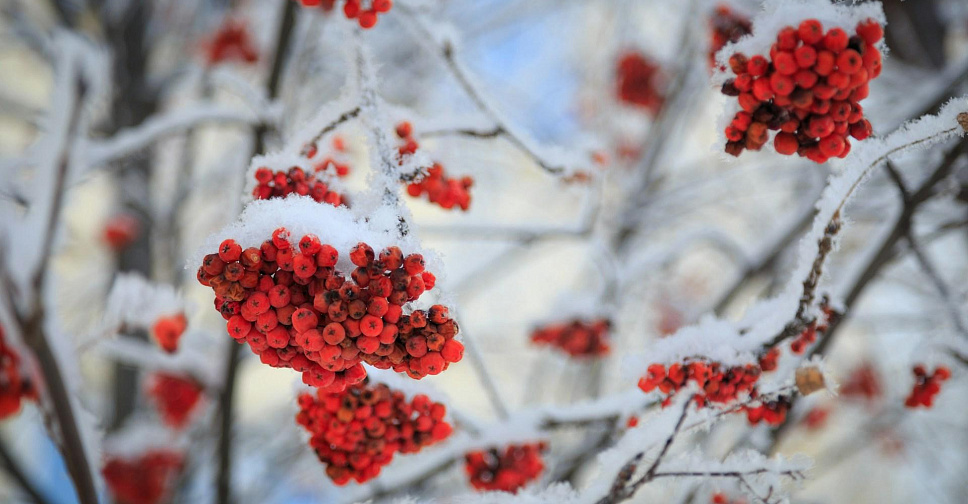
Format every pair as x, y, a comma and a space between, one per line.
834, 225
342, 119
620, 491
33, 325
939, 284
501, 128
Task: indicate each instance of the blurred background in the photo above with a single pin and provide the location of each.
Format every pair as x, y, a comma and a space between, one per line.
659, 229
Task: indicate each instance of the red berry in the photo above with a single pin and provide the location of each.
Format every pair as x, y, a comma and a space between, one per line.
810, 31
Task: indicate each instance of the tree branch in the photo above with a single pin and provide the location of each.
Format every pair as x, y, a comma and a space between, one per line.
32, 324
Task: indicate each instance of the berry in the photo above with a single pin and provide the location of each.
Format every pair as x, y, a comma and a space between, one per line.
15, 385
926, 386
810, 31
167, 331
726, 26
232, 42
121, 231
147, 479
870, 30
638, 80
353, 9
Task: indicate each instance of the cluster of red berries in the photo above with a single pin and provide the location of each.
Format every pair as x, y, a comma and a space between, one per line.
727, 26
120, 231
168, 330
638, 80
809, 89
296, 180
175, 397
863, 383
926, 386
816, 418
577, 338
507, 471
717, 383
357, 431
353, 9
147, 479
232, 42
773, 412
15, 386
296, 310
440, 189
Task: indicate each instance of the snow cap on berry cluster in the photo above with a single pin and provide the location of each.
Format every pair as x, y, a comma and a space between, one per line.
136, 302
339, 227
779, 14
768, 22
711, 339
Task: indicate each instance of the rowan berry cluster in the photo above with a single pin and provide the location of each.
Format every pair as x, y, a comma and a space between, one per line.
726, 26
773, 412
15, 386
506, 471
717, 383
175, 397
809, 90
144, 480
440, 189
296, 180
167, 331
578, 338
120, 231
295, 310
638, 80
357, 431
232, 42
863, 383
816, 418
364, 11
926, 386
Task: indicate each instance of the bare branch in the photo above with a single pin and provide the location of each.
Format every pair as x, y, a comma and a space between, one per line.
957, 319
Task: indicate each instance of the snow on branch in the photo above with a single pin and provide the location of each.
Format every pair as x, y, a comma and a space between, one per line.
126, 142
770, 321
